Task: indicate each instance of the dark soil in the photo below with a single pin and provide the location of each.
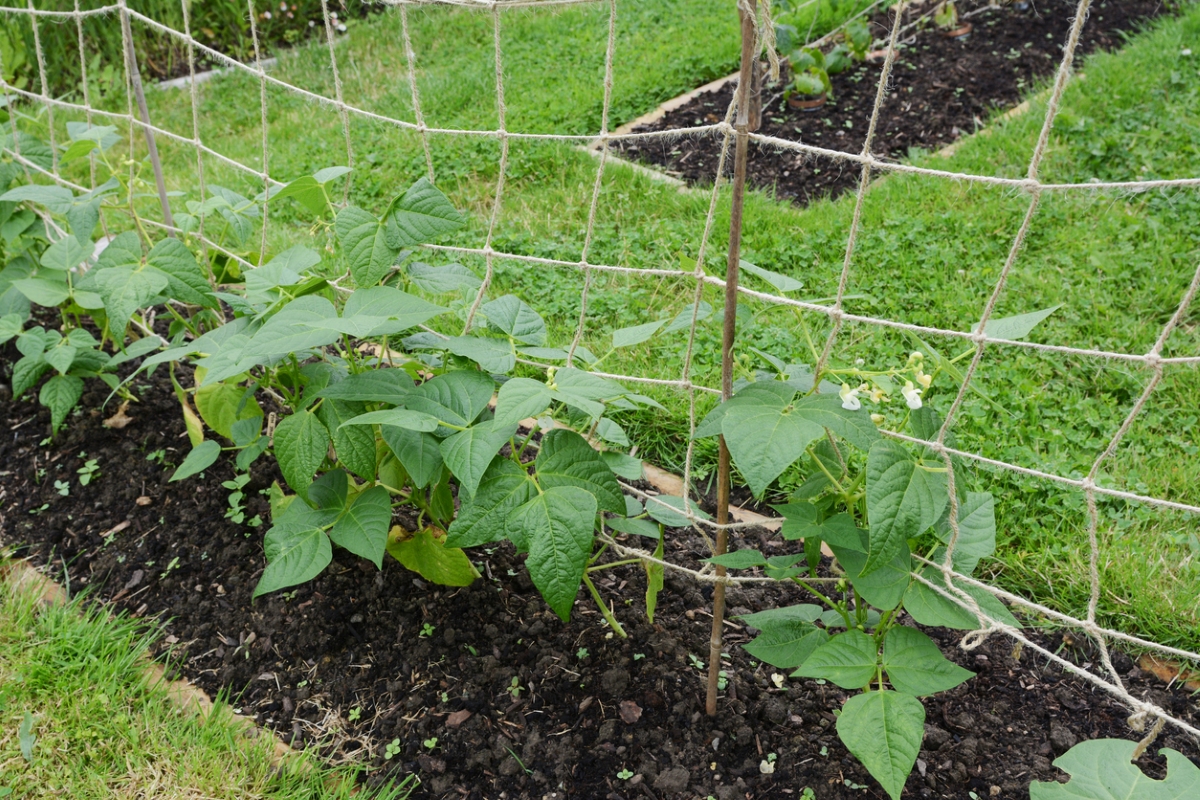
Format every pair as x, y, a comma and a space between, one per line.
520, 704
940, 89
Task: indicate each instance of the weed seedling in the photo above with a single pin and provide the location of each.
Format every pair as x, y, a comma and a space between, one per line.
514, 688
355, 714
427, 630
89, 471
392, 750
528, 771
430, 743
625, 774
697, 663
582, 653
63, 487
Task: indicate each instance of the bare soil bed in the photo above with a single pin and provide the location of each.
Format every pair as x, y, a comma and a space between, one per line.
940, 89
520, 704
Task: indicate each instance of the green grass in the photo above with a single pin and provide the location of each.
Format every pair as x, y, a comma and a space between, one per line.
100, 731
929, 253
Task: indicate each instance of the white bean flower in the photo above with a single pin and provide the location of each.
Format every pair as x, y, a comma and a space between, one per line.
849, 396
912, 395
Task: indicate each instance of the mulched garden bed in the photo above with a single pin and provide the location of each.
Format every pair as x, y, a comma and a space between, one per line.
940, 90
520, 704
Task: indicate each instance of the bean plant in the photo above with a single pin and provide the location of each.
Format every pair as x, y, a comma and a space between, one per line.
417, 429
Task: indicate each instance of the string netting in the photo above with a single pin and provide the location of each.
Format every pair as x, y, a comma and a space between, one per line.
946, 581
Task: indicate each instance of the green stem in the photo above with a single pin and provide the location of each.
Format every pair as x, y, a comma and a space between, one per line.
608, 617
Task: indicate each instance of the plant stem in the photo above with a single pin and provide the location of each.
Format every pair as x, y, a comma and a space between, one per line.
608, 616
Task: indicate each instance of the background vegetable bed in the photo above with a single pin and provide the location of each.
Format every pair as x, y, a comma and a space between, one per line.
442, 413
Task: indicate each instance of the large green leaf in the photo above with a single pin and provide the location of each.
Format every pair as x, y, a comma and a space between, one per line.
300, 445
201, 457
558, 527
420, 216
401, 310
65, 254
801, 522
494, 355
418, 452
397, 418
186, 280
916, 666
428, 556
125, 290
762, 620
1017, 327
295, 553
364, 240
513, 316
976, 531
520, 398
782, 283
671, 510
363, 527
55, 198
221, 405
61, 357
884, 731
884, 587
390, 386
929, 607
1103, 769
848, 659
441, 280
636, 334
455, 397
46, 288
504, 487
853, 426
903, 500
566, 459
60, 394
787, 644
355, 446
308, 192
765, 435
468, 453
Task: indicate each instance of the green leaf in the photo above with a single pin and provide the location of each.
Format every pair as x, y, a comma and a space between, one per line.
738, 559
976, 531
558, 527
504, 487
800, 522
396, 418
10, 326
884, 587
329, 492
848, 659
46, 288
391, 386
627, 467
610, 431
65, 254
929, 607
566, 459
418, 452
764, 620
428, 556
468, 453
627, 337
401, 310
884, 731
308, 192
363, 527
1103, 769
26, 737
767, 392
26, 373
55, 198
670, 510
295, 554
782, 283
765, 436
513, 316
520, 398
60, 394
903, 500
853, 426
124, 291
420, 216
354, 446
220, 405
61, 357
300, 445
916, 666
442, 280
493, 354
683, 320
455, 397
186, 280
1018, 327
124, 250
787, 644
202, 456
365, 242
331, 173
635, 527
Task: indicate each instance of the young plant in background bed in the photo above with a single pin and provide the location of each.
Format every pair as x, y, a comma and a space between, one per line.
50, 260
877, 504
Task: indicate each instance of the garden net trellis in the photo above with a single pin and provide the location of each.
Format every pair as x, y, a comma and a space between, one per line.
735, 135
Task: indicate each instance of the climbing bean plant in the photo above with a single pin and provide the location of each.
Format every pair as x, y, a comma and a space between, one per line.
335, 359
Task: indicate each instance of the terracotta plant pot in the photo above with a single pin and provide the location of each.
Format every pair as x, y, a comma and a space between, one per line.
960, 33
806, 102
